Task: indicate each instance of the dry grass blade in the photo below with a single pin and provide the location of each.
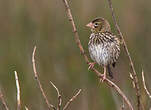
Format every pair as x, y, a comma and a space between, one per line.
128, 54
59, 96
38, 81
144, 84
71, 100
3, 100
77, 40
18, 91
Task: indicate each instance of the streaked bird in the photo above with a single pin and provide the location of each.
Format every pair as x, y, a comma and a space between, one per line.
104, 46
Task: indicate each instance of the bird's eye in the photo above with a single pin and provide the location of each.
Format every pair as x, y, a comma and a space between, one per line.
96, 24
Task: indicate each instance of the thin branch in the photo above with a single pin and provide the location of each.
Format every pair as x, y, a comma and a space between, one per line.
144, 84
71, 100
3, 100
77, 40
128, 54
18, 91
38, 81
59, 97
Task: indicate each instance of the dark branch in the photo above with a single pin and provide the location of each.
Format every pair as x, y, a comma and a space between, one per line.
128, 54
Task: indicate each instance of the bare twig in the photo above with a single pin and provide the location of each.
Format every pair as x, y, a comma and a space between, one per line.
77, 40
26, 108
71, 100
144, 84
60, 99
38, 81
128, 54
59, 96
3, 100
59, 104
18, 91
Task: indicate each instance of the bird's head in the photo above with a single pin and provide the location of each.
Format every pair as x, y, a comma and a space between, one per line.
99, 25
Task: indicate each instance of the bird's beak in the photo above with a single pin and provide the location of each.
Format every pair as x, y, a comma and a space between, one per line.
90, 25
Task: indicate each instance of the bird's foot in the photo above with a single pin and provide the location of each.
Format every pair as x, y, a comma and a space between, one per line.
103, 78
91, 65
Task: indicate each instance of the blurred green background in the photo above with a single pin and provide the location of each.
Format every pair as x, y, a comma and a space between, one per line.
25, 23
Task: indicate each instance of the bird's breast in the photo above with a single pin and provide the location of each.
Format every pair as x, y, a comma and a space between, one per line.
100, 54
104, 48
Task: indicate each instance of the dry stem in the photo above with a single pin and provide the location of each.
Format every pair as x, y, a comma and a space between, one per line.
71, 100
3, 100
144, 84
59, 104
59, 96
77, 40
18, 91
38, 81
128, 54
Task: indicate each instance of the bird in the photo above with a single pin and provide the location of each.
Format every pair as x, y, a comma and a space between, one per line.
103, 46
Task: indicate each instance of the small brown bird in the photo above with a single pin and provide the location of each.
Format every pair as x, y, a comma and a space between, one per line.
104, 47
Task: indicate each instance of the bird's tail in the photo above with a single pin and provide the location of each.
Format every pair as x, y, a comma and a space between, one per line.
109, 71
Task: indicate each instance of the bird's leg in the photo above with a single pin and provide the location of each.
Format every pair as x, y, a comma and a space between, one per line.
104, 75
91, 65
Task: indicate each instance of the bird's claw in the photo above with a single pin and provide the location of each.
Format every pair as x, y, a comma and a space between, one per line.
91, 65
103, 78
